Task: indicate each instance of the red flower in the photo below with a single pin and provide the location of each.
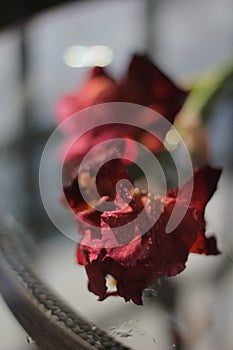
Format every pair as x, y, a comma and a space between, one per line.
144, 84
135, 259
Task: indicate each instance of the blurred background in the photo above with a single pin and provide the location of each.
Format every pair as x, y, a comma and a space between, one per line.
192, 42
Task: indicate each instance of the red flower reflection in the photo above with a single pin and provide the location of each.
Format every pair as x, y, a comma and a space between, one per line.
143, 84
136, 260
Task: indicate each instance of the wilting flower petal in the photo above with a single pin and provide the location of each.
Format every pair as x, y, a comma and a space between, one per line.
205, 183
146, 85
204, 245
136, 259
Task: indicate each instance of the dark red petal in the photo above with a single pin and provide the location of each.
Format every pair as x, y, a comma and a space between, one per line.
145, 257
97, 282
97, 270
205, 245
139, 263
154, 254
127, 254
134, 281
145, 84
111, 220
171, 250
130, 280
204, 185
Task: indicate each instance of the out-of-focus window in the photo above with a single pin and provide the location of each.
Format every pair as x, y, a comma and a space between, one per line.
119, 25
